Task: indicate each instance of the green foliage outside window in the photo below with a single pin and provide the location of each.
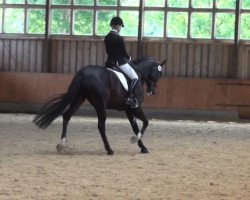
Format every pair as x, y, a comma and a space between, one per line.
178, 3
201, 25
226, 3
246, 4
61, 2
177, 24
38, 2
1, 14
129, 2
224, 28
245, 22
83, 23
130, 23
155, 3
107, 2
84, 2
14, 20
15, 1
83, 18
60, 21
36, 21
103, 20
202, 3
154, 23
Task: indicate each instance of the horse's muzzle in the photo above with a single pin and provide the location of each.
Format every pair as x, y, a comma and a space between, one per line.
151, 91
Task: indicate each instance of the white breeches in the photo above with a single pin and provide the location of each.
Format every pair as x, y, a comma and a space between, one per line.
129, 71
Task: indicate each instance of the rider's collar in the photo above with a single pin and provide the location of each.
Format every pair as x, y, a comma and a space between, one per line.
113, 30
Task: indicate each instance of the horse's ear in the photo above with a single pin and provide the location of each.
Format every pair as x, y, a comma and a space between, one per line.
163, 62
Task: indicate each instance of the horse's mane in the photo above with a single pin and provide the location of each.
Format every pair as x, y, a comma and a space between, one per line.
141, 59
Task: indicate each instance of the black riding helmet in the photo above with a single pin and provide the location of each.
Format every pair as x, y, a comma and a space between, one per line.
116, 21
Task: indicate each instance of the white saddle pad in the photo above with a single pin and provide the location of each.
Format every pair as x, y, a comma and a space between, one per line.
121, 78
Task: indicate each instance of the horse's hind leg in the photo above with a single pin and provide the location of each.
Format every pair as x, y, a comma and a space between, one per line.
74, 105
132, 120
102, 115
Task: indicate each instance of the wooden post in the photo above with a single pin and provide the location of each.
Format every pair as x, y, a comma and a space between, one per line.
235, 62
140, 28
47, 43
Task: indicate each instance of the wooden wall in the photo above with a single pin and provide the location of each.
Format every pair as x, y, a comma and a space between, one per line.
196, 60
21, 55
174, 93
197, 74
191, 59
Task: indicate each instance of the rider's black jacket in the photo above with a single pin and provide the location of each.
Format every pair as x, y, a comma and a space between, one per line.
115, 48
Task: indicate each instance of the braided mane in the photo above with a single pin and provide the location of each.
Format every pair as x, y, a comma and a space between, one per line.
141, 59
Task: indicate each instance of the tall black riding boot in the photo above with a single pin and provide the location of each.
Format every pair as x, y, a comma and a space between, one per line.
131, 100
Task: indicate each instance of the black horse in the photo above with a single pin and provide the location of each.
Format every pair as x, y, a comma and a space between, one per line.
102, 88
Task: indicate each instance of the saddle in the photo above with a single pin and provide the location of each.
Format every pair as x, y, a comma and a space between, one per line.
130, 100
120, 76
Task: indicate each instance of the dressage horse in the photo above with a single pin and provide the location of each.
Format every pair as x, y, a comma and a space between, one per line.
102, 88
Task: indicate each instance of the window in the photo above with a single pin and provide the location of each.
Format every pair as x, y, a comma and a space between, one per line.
245, 20
60, 21
246, 4
103, 19
68, 17
21, 17
225, 25
131, 25
83, 22
14, 20
201, 23
179, 29
36, 21
84, 2
197, 19
156, 3
245, 26
154, 23
226, 4
202, 3
178, 3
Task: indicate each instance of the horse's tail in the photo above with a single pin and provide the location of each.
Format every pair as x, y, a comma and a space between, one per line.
56, 106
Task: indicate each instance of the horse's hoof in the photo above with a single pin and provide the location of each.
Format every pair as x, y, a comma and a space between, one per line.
59, 148
110, 153
144, 150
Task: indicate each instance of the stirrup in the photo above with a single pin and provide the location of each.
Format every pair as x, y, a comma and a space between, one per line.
132, 102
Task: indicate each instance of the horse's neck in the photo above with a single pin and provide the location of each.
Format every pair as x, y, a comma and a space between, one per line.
142, 71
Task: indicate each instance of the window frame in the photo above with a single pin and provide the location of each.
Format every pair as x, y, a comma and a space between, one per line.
48, 6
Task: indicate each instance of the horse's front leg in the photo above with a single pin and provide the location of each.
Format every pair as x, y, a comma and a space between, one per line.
131, 117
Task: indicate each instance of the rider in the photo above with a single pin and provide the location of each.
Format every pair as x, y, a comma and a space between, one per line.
118, 56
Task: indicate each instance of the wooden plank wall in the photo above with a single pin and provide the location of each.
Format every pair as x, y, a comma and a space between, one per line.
174, 93
193, 60
21, 55
184, 59
244, 62
69, 56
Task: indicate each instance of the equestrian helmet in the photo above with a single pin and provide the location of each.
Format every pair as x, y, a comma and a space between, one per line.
116, 21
